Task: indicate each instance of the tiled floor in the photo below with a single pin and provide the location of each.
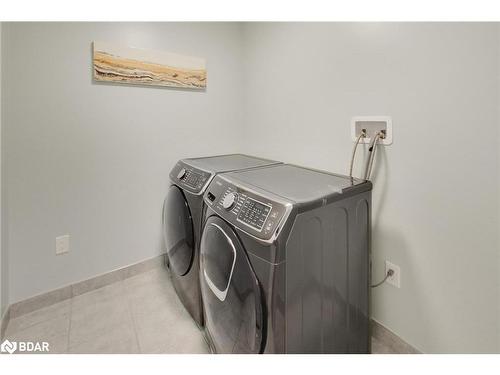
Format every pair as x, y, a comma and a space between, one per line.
141, 314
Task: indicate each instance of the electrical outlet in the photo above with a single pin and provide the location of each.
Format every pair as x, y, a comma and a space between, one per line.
62, 244
395, 279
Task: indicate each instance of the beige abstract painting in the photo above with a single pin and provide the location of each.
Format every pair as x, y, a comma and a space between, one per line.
147, 67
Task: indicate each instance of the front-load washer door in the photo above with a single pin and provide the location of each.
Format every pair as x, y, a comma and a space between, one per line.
178, 231
230, 291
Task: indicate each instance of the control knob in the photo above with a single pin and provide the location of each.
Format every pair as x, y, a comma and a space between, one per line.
181, 174
229, 201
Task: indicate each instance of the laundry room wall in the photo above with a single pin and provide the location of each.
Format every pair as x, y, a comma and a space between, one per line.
92, 160
436, 188
498, 150
3, 260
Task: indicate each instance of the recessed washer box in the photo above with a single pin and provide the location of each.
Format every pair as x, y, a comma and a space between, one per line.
372, 125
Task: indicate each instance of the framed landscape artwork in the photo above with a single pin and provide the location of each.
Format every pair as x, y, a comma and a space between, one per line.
137, 66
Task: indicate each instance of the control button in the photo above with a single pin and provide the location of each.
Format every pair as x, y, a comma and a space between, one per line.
181, 174
229, 200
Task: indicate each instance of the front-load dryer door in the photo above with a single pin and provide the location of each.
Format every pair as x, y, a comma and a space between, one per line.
230, 290
178, 231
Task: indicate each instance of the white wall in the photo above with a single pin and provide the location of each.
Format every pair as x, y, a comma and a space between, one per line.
498, 130
436, 188
92, 160
3, 284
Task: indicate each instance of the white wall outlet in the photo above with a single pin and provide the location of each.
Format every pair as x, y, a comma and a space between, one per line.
62, 244
372, 125
395, 279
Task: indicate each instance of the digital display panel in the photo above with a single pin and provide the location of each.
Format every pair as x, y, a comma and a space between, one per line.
254, 213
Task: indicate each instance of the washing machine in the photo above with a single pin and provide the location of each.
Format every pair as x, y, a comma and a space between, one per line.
182, 220
285, 262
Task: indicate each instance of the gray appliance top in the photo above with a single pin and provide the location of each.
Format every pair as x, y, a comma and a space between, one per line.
226, 163
295, 183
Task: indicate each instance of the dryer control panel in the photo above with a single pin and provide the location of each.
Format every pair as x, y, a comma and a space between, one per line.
249, 210
191, 179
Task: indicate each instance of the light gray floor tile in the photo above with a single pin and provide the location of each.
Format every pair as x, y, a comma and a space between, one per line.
85, 327
162, 323
379, 348
389, 339
58, 310
151, 315
165, 336
139, 314
97, 313
119, 340
159, 303
153, 295
157, 276
58, 344
98, 296
53, 331
141, 293
43, 331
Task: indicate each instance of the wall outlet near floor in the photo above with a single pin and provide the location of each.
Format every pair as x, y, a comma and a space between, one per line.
395, 279
62, 244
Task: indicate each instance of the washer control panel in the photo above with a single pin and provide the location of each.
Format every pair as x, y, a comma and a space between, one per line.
246, 209
189, 178
254, 213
